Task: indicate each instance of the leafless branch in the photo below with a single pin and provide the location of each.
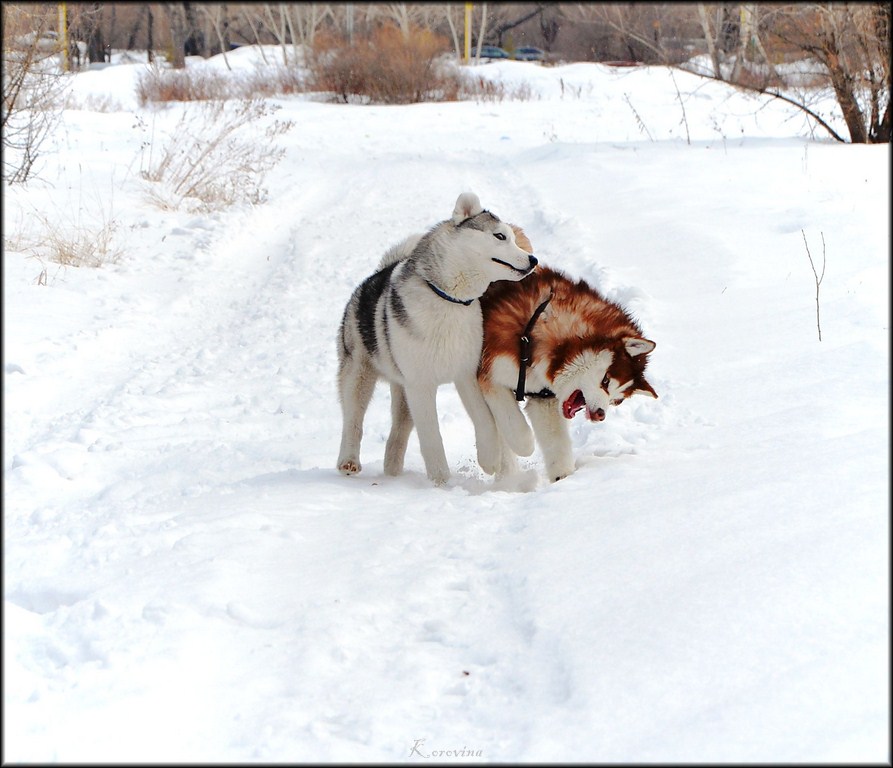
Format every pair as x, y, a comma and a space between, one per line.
818, 278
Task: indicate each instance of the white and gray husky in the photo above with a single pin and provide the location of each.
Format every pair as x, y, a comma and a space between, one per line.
417, 323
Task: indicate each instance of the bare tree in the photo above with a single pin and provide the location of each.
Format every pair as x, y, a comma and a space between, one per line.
481, 32
85, 23
33, 86
194, 44
150, 31
709, 37
550, 25
406, 15
307, 18
504, 25
216, 15
852, 42
176, 16
276, 23
646, 32
454, 34
255, 24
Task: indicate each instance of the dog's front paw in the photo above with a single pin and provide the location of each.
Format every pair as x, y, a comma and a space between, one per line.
438, 472
349, 466
439, 478
558, 470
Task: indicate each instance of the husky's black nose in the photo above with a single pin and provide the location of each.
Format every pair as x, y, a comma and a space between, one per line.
533, 261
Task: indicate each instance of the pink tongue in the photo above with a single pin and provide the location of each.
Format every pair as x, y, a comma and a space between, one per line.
573, 404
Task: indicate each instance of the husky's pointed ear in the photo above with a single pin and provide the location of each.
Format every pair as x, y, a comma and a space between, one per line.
644, 388
467, 205
637, 347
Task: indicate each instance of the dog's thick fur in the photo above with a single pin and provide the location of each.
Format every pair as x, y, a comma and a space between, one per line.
585, 352
417, 323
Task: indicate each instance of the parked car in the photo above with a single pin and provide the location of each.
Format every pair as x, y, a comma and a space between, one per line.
529, 53
493, 52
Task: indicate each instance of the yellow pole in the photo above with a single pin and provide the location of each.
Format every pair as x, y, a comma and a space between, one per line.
63, 36
467, 31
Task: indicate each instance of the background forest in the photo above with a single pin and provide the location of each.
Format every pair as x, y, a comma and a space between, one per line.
751, 45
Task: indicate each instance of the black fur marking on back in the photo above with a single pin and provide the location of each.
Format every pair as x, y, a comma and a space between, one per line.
342, 331
370, 292
398, 308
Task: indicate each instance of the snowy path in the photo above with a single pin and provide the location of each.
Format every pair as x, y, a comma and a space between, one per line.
184, 458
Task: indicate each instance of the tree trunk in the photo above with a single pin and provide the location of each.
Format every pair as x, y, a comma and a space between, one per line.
194, 43
150, 42
177, 19
482, 31
95, 46
846, 97
880, 133
711, 44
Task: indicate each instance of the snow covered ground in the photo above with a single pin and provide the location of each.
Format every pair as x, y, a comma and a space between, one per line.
187, 577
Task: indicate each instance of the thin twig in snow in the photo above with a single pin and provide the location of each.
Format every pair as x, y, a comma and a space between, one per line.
818, 278
681, 104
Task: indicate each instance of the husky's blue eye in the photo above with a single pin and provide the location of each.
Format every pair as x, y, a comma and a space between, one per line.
499, 235
605, 382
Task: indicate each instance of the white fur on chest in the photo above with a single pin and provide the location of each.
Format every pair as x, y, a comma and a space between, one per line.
441, 339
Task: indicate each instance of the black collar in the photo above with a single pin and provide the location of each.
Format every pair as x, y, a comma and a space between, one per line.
525, 354
446, 295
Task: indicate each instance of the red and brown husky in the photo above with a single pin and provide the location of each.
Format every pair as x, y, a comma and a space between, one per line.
563, 347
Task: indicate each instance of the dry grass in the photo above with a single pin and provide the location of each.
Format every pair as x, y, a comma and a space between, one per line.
214, 157
477, 88
161, 84
94, 102
72, 243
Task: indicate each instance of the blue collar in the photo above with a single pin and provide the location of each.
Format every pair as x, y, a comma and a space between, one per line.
446, 295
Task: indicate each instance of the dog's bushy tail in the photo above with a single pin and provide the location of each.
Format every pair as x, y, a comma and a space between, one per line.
399, 251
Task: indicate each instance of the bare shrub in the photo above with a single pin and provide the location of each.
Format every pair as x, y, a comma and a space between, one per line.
390, 67
158, 84
481, 88
472, 87
274, 81
33, 88
338, 68
94, 102
214, 157
161, 84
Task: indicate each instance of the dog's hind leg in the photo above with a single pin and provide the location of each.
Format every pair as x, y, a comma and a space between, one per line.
356, 383
422, 401
485, 434
553, 436
401, 426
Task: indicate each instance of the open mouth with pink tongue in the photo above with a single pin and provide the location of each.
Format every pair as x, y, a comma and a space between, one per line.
577, 402
573, 404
